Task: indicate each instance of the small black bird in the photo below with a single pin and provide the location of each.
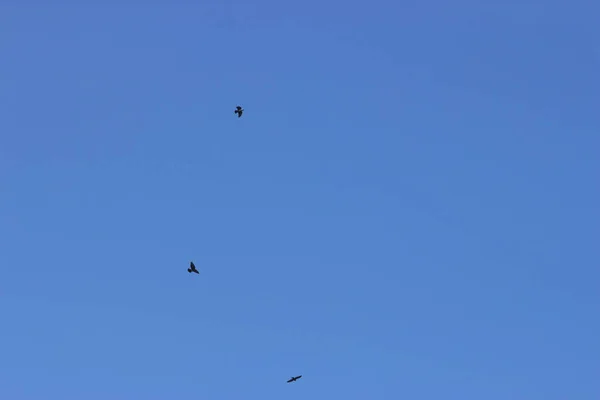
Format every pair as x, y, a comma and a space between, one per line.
238, 110
294, 378
192, 268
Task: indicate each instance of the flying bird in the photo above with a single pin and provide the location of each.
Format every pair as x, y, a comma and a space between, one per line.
238, 110
294, 378
192, 268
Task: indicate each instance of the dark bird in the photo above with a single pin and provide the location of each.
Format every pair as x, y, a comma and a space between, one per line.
294, 378
192, 268
238, 110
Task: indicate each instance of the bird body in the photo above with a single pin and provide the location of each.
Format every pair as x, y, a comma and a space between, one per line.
239, 111
192, 268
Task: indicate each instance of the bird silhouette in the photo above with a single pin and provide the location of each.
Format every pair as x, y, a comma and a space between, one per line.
294, 378
239, 110
192, 268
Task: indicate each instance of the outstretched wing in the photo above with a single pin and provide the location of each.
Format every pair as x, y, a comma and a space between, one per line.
192, 266
298, 377
290, 380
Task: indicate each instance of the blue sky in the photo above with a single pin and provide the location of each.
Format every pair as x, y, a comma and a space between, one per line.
408, 209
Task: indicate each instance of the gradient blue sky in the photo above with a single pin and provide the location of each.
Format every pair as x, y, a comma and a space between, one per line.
408, 209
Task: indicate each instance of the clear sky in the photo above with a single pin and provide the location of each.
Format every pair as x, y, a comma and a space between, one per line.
408, 208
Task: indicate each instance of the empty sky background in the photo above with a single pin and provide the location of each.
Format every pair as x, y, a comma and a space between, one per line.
408, 209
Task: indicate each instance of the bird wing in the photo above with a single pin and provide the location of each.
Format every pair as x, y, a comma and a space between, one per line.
238, 108
192, 266
290, 380
298, 377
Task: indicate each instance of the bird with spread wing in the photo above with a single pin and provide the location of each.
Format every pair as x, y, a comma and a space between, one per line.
192, 268
239, 111
294, 378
